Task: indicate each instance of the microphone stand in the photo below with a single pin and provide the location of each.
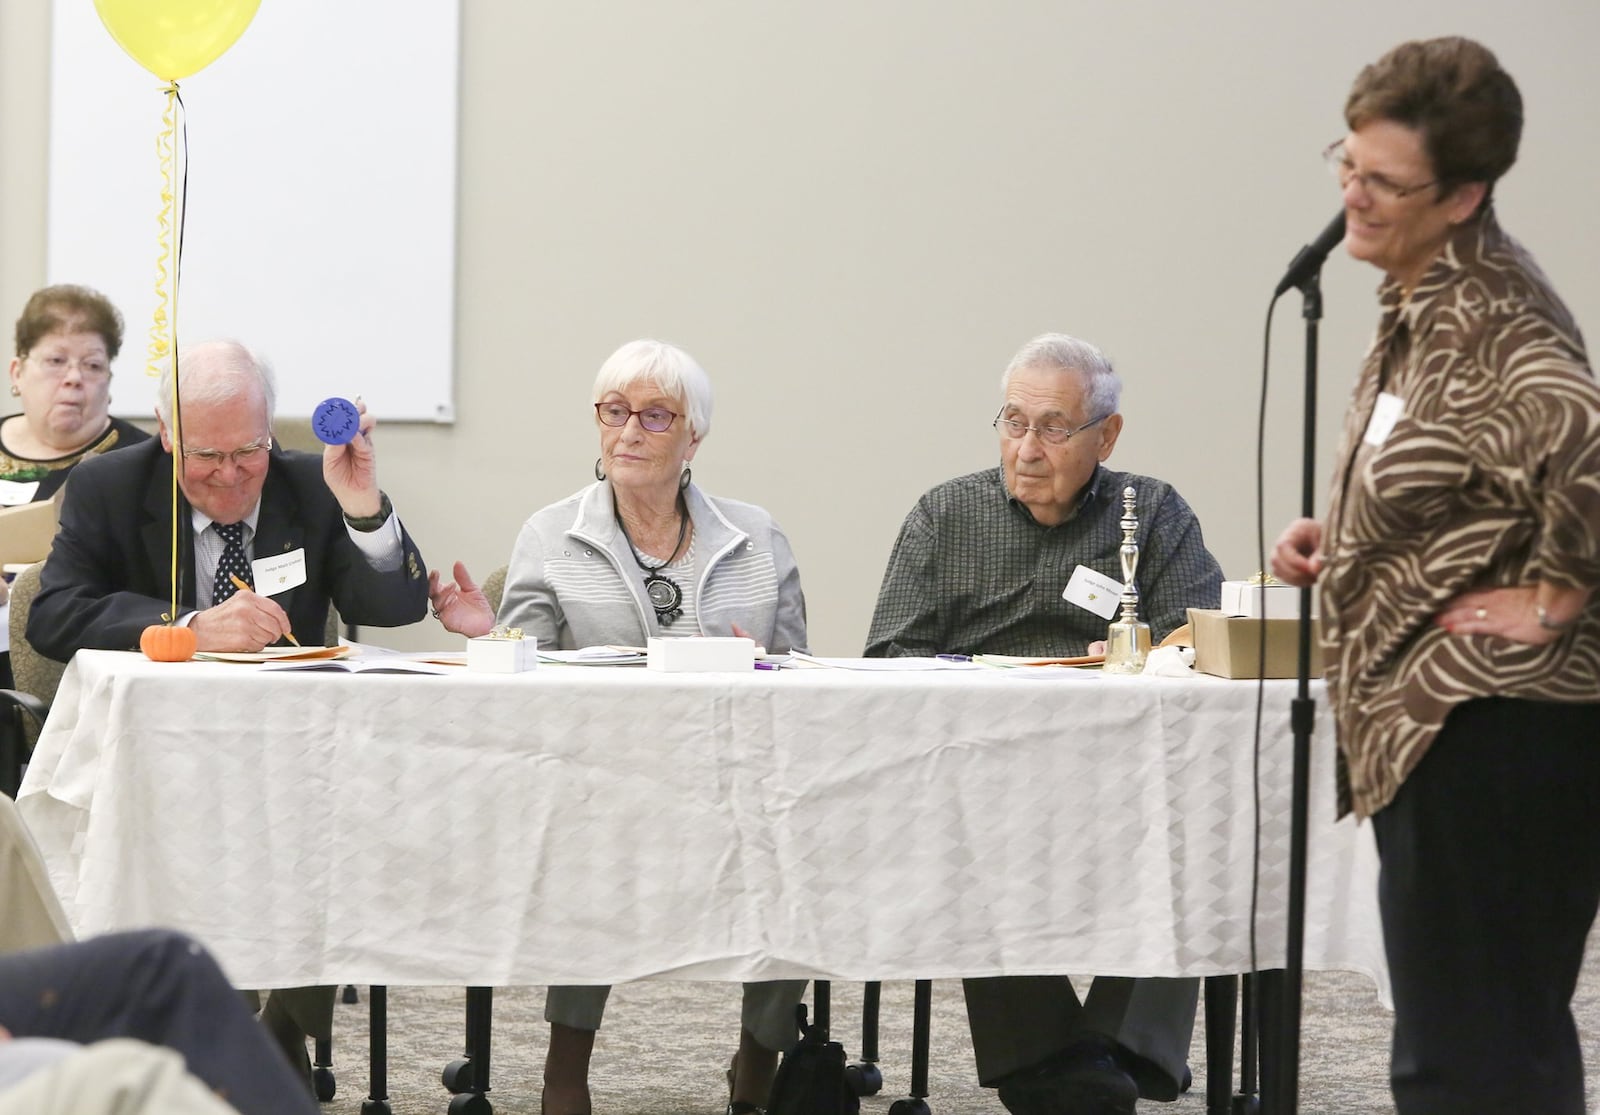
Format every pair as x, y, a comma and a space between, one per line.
1302, 717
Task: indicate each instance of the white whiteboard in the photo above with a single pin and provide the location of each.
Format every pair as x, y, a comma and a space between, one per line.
322, 197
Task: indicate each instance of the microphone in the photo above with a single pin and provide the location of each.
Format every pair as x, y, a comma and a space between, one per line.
1309, 261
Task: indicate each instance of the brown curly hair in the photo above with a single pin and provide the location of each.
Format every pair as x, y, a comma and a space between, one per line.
1453, 92
69, 308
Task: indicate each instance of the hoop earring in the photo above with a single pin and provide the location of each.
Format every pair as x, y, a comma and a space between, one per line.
599, 470
683, 478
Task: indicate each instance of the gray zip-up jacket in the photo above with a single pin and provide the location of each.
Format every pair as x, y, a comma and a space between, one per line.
573, 583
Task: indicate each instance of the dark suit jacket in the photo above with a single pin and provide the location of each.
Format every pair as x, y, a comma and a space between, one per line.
109, 572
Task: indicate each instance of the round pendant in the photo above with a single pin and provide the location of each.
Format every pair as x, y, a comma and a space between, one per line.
665, 597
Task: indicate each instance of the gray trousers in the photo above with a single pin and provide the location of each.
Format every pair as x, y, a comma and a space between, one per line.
1019, 1021
309, 1009
767, 1011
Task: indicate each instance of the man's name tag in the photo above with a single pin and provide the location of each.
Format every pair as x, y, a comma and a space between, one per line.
14, 493
279, 573
1093, 591
1385, 413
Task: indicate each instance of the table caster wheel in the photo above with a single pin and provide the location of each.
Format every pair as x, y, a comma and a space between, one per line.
457, 1076
349, 994
324, 1084
1246, 1105
908, 1107
376, 1107
474, 1103
863, 1078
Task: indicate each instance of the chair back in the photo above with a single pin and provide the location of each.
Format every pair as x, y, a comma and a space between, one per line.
30, 913
494, 587
33, 672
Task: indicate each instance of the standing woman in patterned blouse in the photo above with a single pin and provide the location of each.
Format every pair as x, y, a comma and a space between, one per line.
1456, 563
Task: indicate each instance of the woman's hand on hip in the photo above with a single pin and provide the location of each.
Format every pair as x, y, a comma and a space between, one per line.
1514, 613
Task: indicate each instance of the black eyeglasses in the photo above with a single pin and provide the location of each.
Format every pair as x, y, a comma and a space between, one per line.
658, 420
1013, 426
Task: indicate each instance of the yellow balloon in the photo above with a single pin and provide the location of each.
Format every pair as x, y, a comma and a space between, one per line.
175, 38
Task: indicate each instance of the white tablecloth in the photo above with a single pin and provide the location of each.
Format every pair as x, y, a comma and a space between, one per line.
587, 824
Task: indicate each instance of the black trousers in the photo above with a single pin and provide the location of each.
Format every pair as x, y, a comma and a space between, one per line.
1489, 882
159, 987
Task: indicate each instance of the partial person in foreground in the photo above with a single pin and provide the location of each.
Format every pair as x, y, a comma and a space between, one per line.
61, 1006
248, 510
644, 552
1014, 560
1456, 566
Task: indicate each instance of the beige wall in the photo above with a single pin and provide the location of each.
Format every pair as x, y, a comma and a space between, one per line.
853, 212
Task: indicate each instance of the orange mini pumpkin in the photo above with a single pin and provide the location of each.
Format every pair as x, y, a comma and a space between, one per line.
162, 643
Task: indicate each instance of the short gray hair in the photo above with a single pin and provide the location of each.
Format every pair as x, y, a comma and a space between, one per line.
670, 368
1102, 386
214, 372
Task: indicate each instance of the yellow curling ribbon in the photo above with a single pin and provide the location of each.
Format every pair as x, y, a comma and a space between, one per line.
163, 350
160, 330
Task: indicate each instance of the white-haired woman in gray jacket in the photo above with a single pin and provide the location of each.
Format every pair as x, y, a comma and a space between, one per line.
641, 552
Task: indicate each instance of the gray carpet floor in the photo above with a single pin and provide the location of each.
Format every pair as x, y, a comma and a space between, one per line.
664, 1048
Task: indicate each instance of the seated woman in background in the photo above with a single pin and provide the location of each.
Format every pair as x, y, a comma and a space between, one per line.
66, 339
641, 552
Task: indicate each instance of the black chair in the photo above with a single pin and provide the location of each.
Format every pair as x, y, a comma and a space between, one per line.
23, 707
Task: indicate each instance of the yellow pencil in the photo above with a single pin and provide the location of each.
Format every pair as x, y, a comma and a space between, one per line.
239, 584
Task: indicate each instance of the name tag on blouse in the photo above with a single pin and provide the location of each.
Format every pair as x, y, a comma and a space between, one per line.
14, 493
280, 572
1093, 591
1385, 413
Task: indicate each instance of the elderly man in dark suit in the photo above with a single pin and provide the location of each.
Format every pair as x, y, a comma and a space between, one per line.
299, 530
314, 529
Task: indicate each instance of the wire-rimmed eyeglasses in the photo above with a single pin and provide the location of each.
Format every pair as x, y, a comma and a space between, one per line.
244, 455
1378, 185
658, 420
1052, 433
57, 364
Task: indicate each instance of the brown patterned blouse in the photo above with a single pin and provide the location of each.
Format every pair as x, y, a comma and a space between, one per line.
1489, 476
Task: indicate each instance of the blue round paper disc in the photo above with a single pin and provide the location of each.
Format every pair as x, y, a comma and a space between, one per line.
335, 421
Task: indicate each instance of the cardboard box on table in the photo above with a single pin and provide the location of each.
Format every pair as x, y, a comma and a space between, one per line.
1230, 646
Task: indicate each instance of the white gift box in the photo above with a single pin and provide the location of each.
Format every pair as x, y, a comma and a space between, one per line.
1242, 598
704, 654
496, 654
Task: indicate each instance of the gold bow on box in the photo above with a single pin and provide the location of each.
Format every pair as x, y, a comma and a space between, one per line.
504, 650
